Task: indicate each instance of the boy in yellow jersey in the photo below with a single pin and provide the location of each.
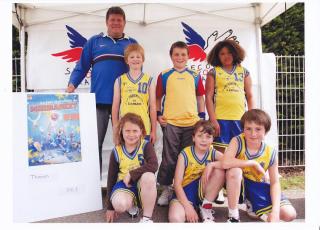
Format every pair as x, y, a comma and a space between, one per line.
192, 192
228, 89
180, 104
135, 92
248, 156
131, 179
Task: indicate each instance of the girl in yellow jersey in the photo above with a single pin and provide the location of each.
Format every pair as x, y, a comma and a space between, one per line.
131, 178
135, 92
248, 156
228, 90
192, 192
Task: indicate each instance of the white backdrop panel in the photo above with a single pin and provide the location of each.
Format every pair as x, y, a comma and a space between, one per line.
268, 92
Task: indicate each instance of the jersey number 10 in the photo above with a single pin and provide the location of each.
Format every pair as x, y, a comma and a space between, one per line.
143, 86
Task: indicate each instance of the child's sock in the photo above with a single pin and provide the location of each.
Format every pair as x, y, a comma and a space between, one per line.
206, 204
234, 213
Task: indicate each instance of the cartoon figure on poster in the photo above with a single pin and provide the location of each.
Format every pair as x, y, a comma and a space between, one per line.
53, 129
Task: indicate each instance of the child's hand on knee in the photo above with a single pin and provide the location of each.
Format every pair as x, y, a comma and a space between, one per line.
191, 214
273, 217
111, 215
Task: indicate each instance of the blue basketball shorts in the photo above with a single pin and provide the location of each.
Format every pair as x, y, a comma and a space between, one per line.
258, 193
193, 192
228, 130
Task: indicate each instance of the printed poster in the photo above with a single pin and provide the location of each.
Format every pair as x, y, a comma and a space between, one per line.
53, 129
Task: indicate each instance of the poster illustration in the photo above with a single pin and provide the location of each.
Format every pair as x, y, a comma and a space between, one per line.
53, 129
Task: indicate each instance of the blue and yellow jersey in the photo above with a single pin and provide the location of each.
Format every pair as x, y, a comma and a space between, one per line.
265, 157
229, 92
134, 96
127, 161
180, 90
193, 165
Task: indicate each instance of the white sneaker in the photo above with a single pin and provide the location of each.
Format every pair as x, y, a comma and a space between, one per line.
206, 214
220, 198
145, 220
165, 196
133, 211
250, 211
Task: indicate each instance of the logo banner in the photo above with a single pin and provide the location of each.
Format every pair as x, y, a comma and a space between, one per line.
55, 48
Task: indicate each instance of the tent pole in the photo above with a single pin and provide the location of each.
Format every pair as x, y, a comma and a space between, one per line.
22, 55
258, 22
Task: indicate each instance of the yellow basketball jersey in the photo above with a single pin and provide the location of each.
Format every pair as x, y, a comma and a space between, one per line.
134, 96
193, 165
128, 162
180, 104
229, 93
265, 157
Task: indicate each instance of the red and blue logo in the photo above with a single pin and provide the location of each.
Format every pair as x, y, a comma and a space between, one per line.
197, 45
77, 42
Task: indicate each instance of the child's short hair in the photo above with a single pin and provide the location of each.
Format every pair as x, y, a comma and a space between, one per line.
204, 127
115, 10
178, 44
257, 116
133, 47
235, 49
132, 118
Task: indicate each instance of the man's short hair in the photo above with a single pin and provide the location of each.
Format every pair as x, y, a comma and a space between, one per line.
115, 10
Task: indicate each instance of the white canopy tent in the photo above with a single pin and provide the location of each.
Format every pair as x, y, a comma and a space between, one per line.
154, 25
29, 15
148, 13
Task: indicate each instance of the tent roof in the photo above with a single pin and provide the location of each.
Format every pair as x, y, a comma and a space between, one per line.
150, 13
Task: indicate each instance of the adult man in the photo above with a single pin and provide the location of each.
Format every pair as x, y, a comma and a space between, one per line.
105, 55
